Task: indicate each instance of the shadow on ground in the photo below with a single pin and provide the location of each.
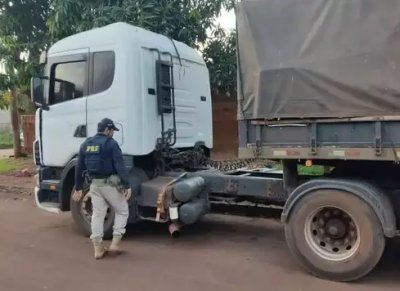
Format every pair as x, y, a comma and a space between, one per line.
388, 269
264, 237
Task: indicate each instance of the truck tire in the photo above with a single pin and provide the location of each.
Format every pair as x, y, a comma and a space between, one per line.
335, 235
81, 213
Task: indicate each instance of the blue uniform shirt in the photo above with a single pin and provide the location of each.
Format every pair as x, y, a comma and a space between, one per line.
112, 162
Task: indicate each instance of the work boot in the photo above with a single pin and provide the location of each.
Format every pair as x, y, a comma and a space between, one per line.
114, 247
99, 250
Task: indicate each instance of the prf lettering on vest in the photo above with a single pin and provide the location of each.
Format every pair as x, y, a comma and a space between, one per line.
92, 149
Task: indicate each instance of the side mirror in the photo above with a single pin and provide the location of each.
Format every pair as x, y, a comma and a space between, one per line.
164, 86
37, 92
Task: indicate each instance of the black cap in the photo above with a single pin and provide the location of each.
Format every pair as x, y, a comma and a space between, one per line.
106, 123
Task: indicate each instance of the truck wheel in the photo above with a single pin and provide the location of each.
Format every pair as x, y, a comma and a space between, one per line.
82, 212
335, 235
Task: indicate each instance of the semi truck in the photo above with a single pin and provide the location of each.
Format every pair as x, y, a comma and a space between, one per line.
318, 84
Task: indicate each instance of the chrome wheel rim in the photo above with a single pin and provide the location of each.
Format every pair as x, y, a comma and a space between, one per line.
332, 234
87, 210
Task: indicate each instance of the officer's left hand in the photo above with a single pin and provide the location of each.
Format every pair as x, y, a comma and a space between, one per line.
127, 193
77, 196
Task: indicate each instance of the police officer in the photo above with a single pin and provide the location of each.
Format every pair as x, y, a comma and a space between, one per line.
100, 158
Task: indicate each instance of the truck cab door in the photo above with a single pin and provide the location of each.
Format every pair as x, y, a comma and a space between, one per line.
63, 125
106, 98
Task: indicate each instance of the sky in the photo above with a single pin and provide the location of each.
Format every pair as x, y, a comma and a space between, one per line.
227, 19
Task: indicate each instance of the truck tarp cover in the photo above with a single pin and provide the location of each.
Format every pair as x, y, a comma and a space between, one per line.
318, 58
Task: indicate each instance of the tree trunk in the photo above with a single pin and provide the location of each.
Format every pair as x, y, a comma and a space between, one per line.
15, 122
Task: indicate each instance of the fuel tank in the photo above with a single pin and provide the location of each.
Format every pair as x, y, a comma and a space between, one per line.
191, 212
188, 189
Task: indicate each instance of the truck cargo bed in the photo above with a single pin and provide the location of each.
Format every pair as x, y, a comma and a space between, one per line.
375, 139
318, 58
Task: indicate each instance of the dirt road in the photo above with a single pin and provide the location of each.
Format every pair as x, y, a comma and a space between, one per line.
42, 251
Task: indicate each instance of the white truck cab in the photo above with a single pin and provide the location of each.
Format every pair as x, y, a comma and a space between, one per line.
154, 88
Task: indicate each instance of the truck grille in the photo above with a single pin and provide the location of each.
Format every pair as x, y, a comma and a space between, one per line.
36, 150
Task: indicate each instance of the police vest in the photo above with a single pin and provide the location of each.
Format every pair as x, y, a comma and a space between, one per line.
96, 160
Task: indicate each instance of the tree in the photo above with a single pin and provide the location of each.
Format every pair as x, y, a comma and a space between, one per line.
4, 103
220, 56
28, 27
23, 35
183, 20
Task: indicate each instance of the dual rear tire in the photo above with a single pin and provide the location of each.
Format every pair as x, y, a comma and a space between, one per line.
335, 235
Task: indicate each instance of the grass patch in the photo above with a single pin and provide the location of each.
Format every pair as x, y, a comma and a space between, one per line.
6, 140
8, 165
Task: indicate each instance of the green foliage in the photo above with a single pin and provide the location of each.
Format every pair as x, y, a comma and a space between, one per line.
220, 56
23, 35
183, 20
6, 140
5, 100
25, 105
28, 27
4, 104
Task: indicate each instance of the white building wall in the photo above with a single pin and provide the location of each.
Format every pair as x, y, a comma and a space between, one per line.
5, 123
